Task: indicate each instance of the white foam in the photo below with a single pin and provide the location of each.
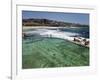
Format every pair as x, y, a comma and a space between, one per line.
58, 34
53, 33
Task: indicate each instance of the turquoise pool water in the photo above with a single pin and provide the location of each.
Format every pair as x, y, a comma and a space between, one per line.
53, 52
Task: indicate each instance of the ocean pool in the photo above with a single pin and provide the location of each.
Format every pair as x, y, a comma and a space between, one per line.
44, 52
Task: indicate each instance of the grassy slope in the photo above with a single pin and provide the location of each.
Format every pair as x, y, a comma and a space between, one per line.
54, 53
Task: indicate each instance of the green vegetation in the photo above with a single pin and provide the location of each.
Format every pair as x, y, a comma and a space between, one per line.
53, 52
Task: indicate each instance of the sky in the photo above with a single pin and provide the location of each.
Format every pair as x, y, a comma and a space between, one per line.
81, 18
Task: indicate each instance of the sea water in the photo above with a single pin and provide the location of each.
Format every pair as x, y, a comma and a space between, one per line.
74, 31
82, 31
